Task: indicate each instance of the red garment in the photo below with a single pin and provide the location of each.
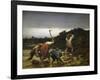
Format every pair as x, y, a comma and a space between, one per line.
44, 50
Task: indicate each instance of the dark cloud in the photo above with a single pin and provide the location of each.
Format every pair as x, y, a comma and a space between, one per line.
33, 19
60, 20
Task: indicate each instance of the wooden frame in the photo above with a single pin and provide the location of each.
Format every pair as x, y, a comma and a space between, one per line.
14, 38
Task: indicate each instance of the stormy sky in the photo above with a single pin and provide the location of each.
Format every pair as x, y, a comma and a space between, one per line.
37, 24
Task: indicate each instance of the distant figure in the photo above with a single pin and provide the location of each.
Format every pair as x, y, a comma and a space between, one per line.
69, 46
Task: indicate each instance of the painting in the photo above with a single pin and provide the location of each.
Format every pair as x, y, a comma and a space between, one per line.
53, 38
61, 37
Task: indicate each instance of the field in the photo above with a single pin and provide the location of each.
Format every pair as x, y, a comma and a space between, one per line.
36, 63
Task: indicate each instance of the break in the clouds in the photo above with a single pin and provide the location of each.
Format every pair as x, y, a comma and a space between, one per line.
38, 23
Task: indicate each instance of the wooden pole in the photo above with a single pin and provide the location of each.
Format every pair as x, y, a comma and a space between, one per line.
51, 35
